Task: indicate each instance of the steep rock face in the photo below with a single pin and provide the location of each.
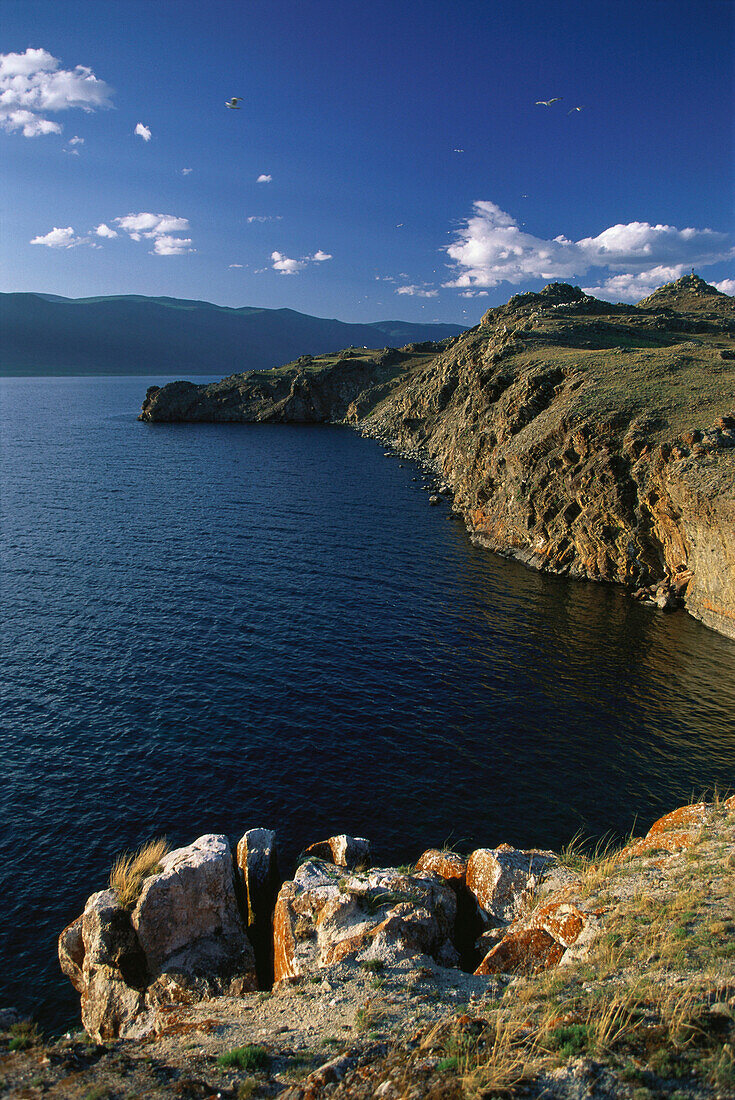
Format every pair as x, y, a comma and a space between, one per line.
325, 915
587, 439
182, 941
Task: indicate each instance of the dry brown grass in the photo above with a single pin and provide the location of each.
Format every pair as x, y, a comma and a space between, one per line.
131, 868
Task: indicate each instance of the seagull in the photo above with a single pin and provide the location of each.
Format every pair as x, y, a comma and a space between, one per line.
234, 103
459, 150
548, 102
400, 225
575, 109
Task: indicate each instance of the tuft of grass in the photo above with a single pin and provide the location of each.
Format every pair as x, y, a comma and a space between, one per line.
373, 966
24, 1035
250, 1058
450, 1063
130, 869
569, 1039
247, 1089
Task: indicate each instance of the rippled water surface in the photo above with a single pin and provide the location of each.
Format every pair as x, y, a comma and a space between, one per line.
213, 627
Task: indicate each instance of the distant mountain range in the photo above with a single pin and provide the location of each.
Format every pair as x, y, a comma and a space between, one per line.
132, 334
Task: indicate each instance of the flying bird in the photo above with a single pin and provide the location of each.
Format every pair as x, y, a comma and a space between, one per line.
459, 150
234, 103
548, 102
575, 109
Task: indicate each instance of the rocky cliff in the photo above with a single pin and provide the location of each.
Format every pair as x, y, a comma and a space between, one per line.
580, 437
504, 972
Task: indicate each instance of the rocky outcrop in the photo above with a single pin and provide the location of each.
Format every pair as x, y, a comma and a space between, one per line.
183, 941
579, 437
344, 851
325, 915
503, 879
306, 392
257, 861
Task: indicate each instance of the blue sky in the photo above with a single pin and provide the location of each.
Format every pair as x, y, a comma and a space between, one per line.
410, 171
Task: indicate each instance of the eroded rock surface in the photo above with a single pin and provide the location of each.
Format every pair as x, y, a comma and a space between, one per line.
325, 915
344, 851
183, 941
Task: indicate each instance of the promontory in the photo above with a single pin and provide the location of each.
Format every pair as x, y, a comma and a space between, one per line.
580, 437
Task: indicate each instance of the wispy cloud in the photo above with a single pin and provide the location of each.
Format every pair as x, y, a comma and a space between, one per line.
262, 178
320, 256
76, 140
32, 85
491, 248
417, 291
60, 238
265, 218
186, 171
143, 131
234, 265
473, 294
158, 228
103, 230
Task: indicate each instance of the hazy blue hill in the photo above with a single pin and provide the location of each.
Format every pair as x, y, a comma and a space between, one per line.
132, 334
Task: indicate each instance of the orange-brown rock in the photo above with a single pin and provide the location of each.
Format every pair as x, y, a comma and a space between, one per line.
503, 879
526, 951
326, 914
674, 832
448, 865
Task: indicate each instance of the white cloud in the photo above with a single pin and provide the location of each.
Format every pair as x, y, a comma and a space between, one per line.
490, 248
235, 265
32, 84
288, 266
159, 228
186, 171
473, 294
103, 230
76, 140
71, 152
143, 131
417, 291
60, 238
264, 179
285, 265
265, 218
631, 287
727, 286
171, 246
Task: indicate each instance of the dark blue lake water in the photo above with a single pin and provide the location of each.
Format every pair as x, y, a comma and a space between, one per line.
214, 627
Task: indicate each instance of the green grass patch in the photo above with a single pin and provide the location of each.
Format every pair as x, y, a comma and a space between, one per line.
250, 1058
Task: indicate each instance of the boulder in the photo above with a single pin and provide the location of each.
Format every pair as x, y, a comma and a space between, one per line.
448, 865
258, 863
325, 915
674, 832
504, 879
344, 851
555, 933
184, 940
256, 858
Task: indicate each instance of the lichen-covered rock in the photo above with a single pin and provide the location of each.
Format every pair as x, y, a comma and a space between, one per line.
184, 940
504, 878
554, 933
325, 915
352, 852
448, 865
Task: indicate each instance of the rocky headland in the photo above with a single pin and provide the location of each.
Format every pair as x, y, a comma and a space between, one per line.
202, 972
579, 437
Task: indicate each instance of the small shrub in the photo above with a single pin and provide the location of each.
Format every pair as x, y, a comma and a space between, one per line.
569, 1039
24, 1035
373, 966
250, 1058
247, 1089
445, 1064
130, 869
